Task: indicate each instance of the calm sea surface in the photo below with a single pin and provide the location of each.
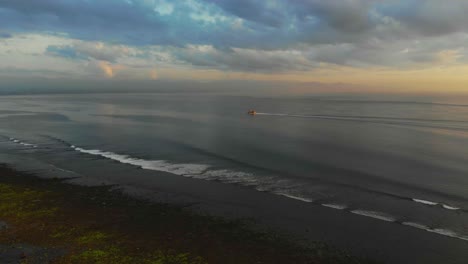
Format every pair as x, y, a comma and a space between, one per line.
400, 161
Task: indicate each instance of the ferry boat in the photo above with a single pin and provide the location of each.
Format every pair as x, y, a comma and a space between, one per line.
252, 112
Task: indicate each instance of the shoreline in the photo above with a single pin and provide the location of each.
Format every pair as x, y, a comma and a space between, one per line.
67, 222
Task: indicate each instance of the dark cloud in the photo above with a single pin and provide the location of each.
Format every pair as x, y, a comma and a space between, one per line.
344, 16
247, 35
266, 24
429, 17
246, 60
124, 21
269, 13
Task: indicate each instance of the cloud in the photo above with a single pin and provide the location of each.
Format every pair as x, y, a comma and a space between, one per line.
64, 51
89, 50
271, 36
4, 35
153, 74
269, 13
447, 56
429, 17
246, 60
252, 24
110, 70
90, 20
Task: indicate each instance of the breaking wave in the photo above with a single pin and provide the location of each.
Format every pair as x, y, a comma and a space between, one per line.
431, 203
17, 141
272, 184
376, 215
335, 206
440, 231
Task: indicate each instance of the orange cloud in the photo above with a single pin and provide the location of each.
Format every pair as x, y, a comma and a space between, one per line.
154, 74
109, 69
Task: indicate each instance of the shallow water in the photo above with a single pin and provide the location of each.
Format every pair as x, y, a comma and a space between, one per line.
399, 161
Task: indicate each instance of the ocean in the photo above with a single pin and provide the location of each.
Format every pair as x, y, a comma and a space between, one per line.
400, 163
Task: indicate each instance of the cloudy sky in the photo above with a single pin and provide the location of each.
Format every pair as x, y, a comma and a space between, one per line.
381, 45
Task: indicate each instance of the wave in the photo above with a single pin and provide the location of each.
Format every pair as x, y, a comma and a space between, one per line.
269, 183
272, 184
424, 201
190, 170
446, 232
157, 165
415, 225
440, 231
431, 203
376, 215
335, 206
450, 207
17, 141
295, 197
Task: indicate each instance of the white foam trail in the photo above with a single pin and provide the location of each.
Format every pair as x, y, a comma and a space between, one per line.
307, 200
312, 116
446, 232
424, 201
14, 140
448, 207
202, 171
197, 171
440, 231
157, 165
415, 225
228, 176
336, 206
376, 215
445, 206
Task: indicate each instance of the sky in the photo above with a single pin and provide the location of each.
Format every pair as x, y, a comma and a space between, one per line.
304, 45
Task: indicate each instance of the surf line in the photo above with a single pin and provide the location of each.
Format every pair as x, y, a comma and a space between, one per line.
17, 141
431, 203
190, 170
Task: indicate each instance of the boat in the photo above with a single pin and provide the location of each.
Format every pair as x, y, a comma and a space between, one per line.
252, 112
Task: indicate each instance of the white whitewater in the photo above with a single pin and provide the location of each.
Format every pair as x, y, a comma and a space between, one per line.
17, 141
426, 202
269, 184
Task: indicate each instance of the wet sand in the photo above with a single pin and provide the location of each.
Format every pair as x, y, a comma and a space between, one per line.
47, 220
362, 236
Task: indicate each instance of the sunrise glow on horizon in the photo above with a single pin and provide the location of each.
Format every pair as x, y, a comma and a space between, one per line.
365, 45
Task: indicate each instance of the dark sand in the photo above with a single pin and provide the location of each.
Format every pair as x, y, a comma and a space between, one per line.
363, 236
48, 221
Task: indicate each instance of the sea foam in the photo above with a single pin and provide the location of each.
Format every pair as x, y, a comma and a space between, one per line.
17, 141
274, 185
445, 206
376, 215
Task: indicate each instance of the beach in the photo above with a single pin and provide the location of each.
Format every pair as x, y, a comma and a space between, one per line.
379, 179
48, 221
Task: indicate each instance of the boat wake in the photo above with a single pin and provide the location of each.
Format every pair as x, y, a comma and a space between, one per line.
415, 122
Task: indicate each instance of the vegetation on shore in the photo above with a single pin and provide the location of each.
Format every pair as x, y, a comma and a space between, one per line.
96, 225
